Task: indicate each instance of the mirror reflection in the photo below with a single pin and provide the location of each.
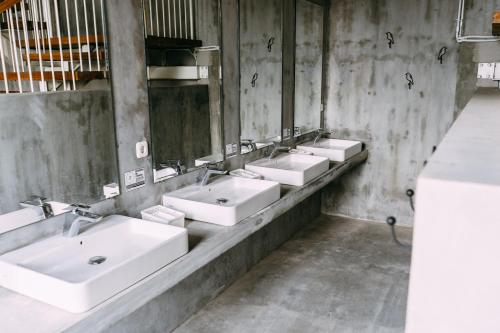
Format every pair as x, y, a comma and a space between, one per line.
184, 72
308, 67
261, 72
57, 134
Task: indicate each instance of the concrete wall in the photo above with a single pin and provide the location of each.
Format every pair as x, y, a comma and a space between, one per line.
368, 97
208, 22
58, 145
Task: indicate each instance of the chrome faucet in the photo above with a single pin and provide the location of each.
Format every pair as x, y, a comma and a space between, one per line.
73, 219
277, 148
249, 143
174, 164
41, 203
209, 173
321, 132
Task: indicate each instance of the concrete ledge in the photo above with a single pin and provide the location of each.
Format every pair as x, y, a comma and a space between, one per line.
211, 242
176, 305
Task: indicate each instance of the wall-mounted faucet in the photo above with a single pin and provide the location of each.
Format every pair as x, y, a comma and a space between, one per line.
276, 149
41, 203
79, 213
209, 173
250, 144
174, 164
320, 134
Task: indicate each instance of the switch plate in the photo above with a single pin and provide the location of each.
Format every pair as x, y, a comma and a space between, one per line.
286, 134
231, 149
490, 71
135, 179
141, 149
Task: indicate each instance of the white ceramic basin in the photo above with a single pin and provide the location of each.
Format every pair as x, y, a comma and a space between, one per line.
57, 270
290, 169
336, 150
225, 200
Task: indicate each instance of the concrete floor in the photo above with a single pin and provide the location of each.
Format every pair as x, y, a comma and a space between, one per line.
336, 275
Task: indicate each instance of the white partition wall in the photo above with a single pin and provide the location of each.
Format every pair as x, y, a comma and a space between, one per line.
455, 272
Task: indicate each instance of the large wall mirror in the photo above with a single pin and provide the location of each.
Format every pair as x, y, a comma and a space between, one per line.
308, 67
184, 82
260, 72
57, 133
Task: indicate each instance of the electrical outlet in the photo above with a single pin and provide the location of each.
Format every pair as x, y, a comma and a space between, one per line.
141, 149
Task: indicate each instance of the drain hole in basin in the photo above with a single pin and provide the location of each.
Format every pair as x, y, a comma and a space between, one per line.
222, 201
97, 260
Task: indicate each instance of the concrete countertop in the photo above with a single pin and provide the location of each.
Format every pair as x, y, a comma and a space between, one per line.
469, 153
207, 241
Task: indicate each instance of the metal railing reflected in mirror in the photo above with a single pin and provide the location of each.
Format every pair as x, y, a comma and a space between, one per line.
51, 45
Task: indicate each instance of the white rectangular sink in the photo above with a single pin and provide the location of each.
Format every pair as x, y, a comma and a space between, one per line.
78, 273
336, 150
290, 169
226, 200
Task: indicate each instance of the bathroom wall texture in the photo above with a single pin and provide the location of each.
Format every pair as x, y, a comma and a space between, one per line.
369, 99
57, 145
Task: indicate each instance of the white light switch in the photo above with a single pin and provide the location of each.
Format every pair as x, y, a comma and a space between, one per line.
141, 149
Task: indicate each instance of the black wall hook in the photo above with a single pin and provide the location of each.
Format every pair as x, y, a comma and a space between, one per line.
390, 38
255, 77
270, 44
442, 53
391, 221
410, 80
410, 194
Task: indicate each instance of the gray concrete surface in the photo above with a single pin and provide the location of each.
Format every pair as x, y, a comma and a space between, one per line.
336, 275
368, 97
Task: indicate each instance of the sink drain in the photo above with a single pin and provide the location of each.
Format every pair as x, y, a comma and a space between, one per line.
97, 260
222, 201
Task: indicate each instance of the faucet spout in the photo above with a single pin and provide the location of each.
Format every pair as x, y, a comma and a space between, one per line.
320, 134
74, 218
276, 150
41, 203
209, 173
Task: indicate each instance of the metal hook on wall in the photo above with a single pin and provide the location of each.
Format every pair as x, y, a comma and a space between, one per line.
411, 81
255, 77
270, 44
442, 53
410, 194
390, 38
